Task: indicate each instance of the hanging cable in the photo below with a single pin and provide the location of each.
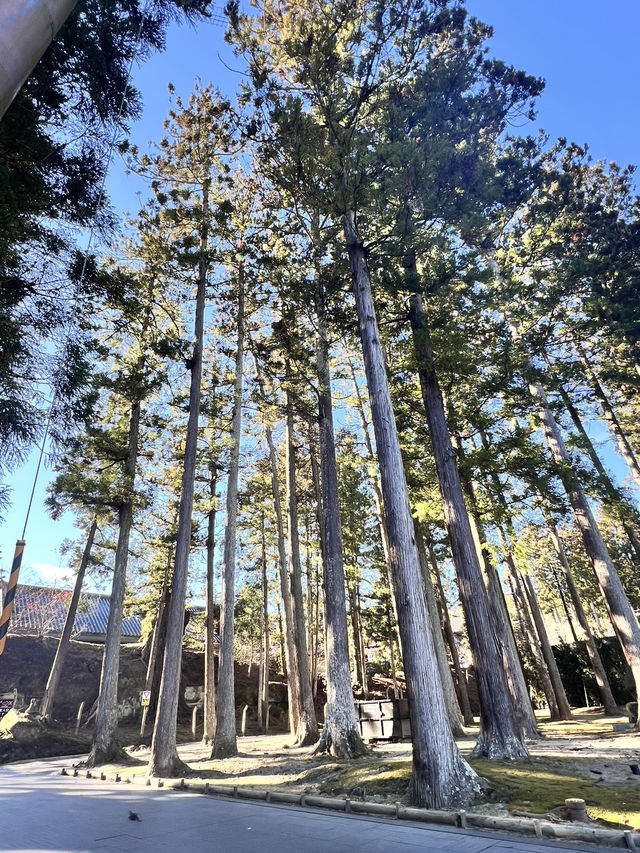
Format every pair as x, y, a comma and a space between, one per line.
9, 596
110, 149
217, 19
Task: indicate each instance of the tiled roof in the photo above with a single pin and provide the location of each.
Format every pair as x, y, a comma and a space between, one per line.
195, 630
44, 610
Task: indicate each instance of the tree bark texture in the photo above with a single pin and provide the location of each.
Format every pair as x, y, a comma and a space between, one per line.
463, 693
502, 623
105, 747
164, 760
500, 731
283, 653
533, 640
291, 656
263, 698
624, 620
225, 742
307, 728
440, 776
356, 629
46, 707
341, 734
451, 702
317, 488
312, 586
547, 651
544, 661
528, 634
27, 28
375, 483
209, 714
626, 513
610, 705
382, 522
565, 606
156, 649
622, 442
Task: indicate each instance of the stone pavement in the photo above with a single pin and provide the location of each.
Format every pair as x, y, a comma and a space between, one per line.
43, 811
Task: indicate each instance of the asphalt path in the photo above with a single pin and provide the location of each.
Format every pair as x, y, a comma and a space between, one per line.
43, 811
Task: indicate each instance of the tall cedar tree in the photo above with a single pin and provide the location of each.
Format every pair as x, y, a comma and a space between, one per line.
339, 65
189, 182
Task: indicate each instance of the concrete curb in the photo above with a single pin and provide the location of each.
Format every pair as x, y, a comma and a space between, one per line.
541, 829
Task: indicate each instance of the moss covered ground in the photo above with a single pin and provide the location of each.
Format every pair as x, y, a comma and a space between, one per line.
581, 758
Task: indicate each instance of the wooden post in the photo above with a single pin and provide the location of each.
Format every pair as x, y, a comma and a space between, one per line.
194, 721
79, 717
10, 592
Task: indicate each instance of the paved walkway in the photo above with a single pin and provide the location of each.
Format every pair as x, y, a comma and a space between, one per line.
43, 811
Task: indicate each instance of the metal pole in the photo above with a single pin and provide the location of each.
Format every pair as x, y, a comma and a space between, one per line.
27, 28
11, 592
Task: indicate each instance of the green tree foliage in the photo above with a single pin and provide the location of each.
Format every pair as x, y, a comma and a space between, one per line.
55, 142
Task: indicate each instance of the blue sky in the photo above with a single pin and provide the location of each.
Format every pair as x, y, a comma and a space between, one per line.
586, 50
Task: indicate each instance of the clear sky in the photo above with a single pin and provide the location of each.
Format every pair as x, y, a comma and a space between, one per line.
586, 50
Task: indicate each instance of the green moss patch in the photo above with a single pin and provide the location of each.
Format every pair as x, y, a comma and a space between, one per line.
541, 785
537, 786
580, 726
381, 778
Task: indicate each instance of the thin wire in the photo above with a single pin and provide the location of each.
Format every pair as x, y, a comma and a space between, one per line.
112, 144
35, 479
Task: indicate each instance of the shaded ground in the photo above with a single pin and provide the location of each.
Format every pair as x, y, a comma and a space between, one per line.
584, 758
58, 739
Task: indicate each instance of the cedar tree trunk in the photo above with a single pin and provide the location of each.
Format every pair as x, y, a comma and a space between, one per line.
340, 735
453, 711
307, 729
467, 714
440, 776
608, 701
164, 760
65, 638
209, 715
624, 620
547, 651
225, 742
105, 747
500, 734
290, 658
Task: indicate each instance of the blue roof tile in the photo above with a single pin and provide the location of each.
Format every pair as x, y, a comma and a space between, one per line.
44, 610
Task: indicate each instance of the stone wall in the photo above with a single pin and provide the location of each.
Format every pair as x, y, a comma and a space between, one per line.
26, 662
